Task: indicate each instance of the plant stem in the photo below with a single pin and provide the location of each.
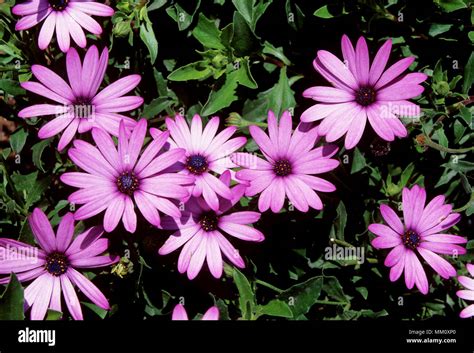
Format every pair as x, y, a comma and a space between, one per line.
13, 68
456, 106
342, 243
430, 143
326, 302
268, 285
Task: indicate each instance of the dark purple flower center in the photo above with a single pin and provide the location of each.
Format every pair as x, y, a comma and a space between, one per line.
56, 264
196, 164
282, 167
209, 221
127, 183
58, 5
411, 239
365, 96
83, 107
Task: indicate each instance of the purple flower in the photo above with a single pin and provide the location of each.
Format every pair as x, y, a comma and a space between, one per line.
420, 234
206, 152
200, 229
114, 179
290, 161
362, 91
54, 265
78, 106
467, 294
68, 17
179, 314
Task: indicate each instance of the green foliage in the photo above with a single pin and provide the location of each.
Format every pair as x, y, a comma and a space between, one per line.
11, 301
238, 60
303, 296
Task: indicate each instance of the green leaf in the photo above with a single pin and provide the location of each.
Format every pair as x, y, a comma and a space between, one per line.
278, 98
223, 97
181, 17
438, 72
31, 188
323, 12
156, 4
223, 310
169, 64
246, 294
6, 152
147, 35
198, 70
341, 220
245, 8
155, 107
26, 235
11, 301
406, 175
451, 5
302, 296
358, 161
207, 33
99, 311
162, 85
275, 308
244, 76
251, 11
268, 48
466, 114
244, 41
468, 74
363, 291
454, 82
53, 315
11, 87
459, 165
122, 28
438, 28
37, 152
227, 33
294, 15
282, 97
18, 139
53, 216
459, 130
333, 289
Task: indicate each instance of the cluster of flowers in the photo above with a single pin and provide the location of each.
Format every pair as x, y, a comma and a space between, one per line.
188, 178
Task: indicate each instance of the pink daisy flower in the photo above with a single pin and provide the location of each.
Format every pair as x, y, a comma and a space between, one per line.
287, 169
179, 314
67, 17
115, 178
54, 265
200, 229
362, 91
78, 107
467, 294
420, 234
206, 153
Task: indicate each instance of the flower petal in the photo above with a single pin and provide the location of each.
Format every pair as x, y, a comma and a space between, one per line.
440, 265
88, 288
42, 230
65, 232
70, 298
